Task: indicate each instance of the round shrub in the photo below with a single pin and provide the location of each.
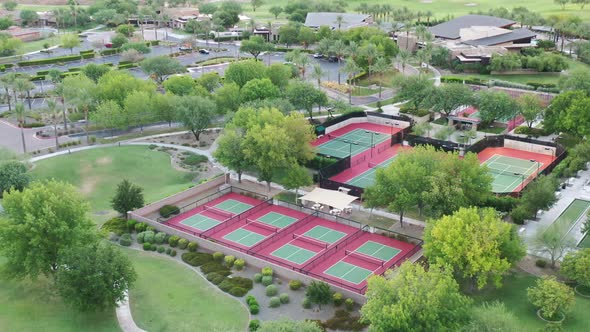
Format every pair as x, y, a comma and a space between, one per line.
284, 298
140, 237
151, 228
349, 304
274, 302
239, 264
168, 250
173, 253
140, 227
258, 278
541, 263
218, 256
267, 280
131, 224
149, 237
193, 246
338, 299
271, 290
173, 241
147, 246
250, 300
267, 271
182, 243
160, 237
254, 325
125, 240
238, 291
229, 261
161, 249
254, 309
295, 284
306, 303
153, 247
168, 210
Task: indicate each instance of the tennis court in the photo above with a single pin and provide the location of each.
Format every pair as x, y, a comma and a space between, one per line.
233, 206
348, 272
367, 178
570, 216
200, 222
276, 220
351, 143
378, 251
509, 172
324, 234
244, 237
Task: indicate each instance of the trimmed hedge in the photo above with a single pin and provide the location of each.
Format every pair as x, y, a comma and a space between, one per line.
196, 258
274, 302
37, 78
125, 240
349, 304
110, 51
173, 241
215, 267
306, 304
267, 271
147, 246
140, 227
284, 298
229, 261
50, 60
160, 237
161, 249
218, 256
182, 243
193, 246
239, 264
254, 309
131, 224
130, 65
168, 210
215, 278
254, 325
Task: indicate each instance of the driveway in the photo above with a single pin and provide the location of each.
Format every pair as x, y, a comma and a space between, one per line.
10, 137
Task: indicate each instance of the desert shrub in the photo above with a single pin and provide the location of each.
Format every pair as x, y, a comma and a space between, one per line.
115, 225
239, 264
168, 250
338, 299
149, 237
140, 227
295, 284
153, 247
284, 298
173, 241
238, 291
344, 321
140, 237
215, 278
254, 324
131, 224
168, 210
271, 290
349, 304
173, 253
193, 246
306, 303
215, 267
274, 302
160, 237
147, 246
266, 280
182, 243
541, 263
161, 249
196, 258
254, 309
250, 300
229, 260
267, 271
150, 228
218, 256
125, 240
258, 278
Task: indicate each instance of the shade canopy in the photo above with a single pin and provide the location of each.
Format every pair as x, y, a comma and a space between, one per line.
333, 198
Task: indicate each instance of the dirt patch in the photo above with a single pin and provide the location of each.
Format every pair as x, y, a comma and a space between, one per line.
88, 185
104, 161
187, 139
471, 4
527, 264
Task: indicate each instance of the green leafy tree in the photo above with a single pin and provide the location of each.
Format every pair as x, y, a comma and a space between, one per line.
297, 177
285, 325
109, 115
244, 71
116, 85
80, 91
276, 11
160, 67
195, 113
530, 107
553, 241
306, 37
492, 317
13, 176
28, 16
562, 3
288, 34
259, 88
140, 47
51, 215
95, 71
256, 3
127, 197
303, 95
478, 257
126, 30
551, 297
319, 292
495, 105
415, 90
180, 85
255, 45
9, 45
163, 107
576, 265
70, 41
79, 285
540, 194
279, 74
449, 97
228, 98
119, 40
230, 151
209, 81
576, 80
415, 299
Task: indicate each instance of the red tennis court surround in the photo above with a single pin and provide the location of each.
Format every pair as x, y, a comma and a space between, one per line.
353, 126
266, 248
362, 167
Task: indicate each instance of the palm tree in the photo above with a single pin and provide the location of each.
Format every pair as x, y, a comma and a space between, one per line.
350, 68
19, 109
428, 15
79, 90
370, 52
6, 82
352, 50
59, 90
317, 73
23, 86
300, 59
339, 21
339, 50
380, 67
53, 115
403, 57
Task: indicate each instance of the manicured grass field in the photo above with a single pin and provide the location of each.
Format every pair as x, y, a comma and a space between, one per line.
29, 306
513, 294
170, 297
38, 44
97, 172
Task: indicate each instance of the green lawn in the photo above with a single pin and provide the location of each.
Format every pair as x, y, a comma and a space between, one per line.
97, 172
362, 91
542, 78
170, 297
29, 306
383, 102
386, 79
513, 294
37, 45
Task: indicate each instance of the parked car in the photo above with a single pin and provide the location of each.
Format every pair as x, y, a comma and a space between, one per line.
332, 58
318, 55
203, 51
108, 45
185, 48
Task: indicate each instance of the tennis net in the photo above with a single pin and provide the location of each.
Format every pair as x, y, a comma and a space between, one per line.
218, 211
365, 257
349, 141
506, 173
262, 225
305, 238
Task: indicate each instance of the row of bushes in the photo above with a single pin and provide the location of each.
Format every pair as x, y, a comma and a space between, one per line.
32, 125
129, 65
110, 51
532, 86
525, 130
252, 304
6, 66
67, 58
168, 210
72, 143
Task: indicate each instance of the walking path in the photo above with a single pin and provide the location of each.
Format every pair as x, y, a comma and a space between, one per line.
124, 317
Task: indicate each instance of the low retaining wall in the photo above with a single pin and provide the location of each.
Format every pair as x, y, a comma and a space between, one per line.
532, 147
344, 123
401, 124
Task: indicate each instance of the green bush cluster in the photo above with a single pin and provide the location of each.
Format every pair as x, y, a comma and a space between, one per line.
284, 298
271, 290
196, 258
147, 246
306, 304
182, 243
266, 280
125, 240
541, 263
172, 253
295, 284
274, 302
140, 227
218, 256
215, 267
254, 325
160, 237
252, 304
116, 225
236, 286
349, 304
161, 249
168, 210
193, 246
67, 58
149, 236
173, 241
267, 271
343, 321
215, 278
239, 264
194, 159
338, 299
229, 260
257, 278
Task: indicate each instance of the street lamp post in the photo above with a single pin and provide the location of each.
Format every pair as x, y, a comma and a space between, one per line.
372, 134
522, 181
350, 144
552, 152
538, 165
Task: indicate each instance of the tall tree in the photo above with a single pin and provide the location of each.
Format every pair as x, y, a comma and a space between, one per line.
553, 241
304, 95
530, 107
51, 215
317, 73
80, 91
160, 67
128, 197
230, 151
415, 299
70, 41
479, 257
258, 89
228, 98
13, 176
351, 69
80, 285
256, 3
297, 177
244, 71
276, 11
575, 266
195, 113
319, 292
109, 115
448, 97
495, 105
54, 114
255, 45
415, 90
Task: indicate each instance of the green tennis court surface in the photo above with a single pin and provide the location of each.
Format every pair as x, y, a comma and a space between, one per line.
324, 234
585, 243
293, 254
568, 218
348, 272
244, 237
378, 250
277, 220
233, 206
509, 172
341, 146
367, 178
200, 222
